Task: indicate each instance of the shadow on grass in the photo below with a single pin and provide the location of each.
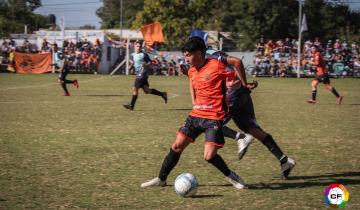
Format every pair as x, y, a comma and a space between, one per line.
319, 180
179, 109
1, 199
343, 174
206, 196
110, 95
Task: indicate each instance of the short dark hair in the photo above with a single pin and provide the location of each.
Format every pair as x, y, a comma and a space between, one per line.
138, 42
194, 44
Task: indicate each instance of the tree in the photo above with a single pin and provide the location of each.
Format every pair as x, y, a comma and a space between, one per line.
14, 14
110, 13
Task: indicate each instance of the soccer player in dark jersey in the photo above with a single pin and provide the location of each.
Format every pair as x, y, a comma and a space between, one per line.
321, 75
241, 111
63, 72
141, 62
207, 83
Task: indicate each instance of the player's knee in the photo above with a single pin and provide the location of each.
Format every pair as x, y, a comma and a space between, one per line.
177, 148
208, 156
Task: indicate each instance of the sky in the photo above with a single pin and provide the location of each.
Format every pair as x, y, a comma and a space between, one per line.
80, 12
75, 12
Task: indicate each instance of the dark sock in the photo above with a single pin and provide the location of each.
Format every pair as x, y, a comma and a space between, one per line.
63, 85
220, 164
133, 100
274, 148
68, 81
169, 163
333, 90
313, 95
156, 92
230, 133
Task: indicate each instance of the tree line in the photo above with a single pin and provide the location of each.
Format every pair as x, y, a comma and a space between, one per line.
248, 20
14, 14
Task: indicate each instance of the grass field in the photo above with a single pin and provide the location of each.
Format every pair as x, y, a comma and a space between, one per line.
86, 151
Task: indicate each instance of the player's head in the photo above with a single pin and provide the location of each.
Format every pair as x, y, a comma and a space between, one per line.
194, 51
137, 46
314, 49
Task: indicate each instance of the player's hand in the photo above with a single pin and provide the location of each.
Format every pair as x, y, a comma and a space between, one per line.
252, 85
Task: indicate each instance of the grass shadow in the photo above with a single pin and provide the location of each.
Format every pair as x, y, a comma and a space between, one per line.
319, 180
109, 95
206, 196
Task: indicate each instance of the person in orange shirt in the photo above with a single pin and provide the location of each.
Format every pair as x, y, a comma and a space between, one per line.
208, 88
321, 76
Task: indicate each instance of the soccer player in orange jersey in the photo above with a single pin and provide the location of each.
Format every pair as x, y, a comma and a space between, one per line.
207, 86
321, 76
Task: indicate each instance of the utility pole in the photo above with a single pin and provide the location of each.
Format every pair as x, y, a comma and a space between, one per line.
299, 41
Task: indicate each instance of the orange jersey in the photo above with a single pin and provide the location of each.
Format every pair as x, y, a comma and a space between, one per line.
209, 89
320, 64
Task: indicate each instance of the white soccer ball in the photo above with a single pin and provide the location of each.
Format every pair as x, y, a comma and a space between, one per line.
186, 185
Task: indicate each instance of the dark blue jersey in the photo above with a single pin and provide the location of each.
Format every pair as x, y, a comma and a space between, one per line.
222, 56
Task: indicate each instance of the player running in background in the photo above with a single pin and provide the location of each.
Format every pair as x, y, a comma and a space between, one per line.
207, 84
63, 72
241, 111
141, 62
321, 76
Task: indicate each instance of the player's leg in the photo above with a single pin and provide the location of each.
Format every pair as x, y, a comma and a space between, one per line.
63, 85
135, 92
185, 135
314, 85
287, 164
153, 91
242, 111
215, 140
332, 89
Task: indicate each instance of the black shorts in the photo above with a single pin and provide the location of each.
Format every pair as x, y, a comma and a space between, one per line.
323, 78
141, 82
241, 111
194, 126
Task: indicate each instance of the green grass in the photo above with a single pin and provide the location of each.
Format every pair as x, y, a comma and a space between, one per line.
86, 151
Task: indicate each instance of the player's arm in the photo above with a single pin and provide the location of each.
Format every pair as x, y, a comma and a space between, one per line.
147, 61
192, 92
240, 70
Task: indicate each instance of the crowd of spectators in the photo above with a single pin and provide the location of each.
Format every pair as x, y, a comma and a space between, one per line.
83, 55
279, 59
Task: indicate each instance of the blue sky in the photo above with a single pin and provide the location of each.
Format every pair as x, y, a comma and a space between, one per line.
80, 12
76, 12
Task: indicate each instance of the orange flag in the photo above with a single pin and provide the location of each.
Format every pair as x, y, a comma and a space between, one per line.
35, 63
152, 33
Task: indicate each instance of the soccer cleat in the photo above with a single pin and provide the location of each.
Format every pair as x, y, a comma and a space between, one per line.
339, 99
311, 101
128, 106
243, 144
66, 94
165, 97
76, 84
287, 167
235, 180
155, 182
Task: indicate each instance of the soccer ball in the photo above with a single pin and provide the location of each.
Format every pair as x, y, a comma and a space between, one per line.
186, 185
336, 196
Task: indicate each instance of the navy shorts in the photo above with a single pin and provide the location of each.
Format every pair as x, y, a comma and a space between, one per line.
141, 82
323, 78
241, 111
194, 126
